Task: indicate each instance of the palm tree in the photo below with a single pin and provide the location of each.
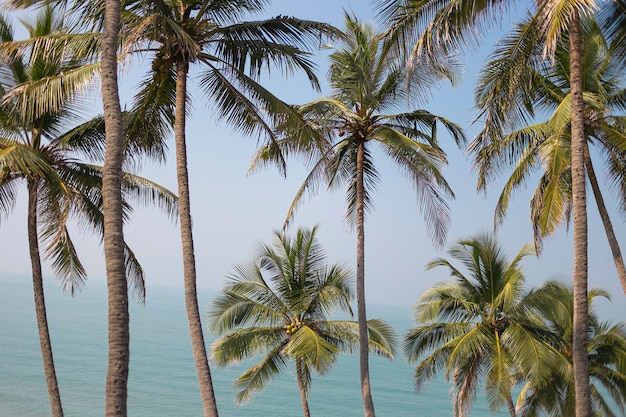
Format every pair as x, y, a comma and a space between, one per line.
425, 27
35, 147
479, 325
233, 54
341, 130
118, 316
607, 351
279, 306
516, 88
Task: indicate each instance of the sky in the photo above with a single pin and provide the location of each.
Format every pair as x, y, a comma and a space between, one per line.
233, 211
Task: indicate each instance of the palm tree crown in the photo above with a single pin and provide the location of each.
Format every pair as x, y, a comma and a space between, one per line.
231, 54
366, 82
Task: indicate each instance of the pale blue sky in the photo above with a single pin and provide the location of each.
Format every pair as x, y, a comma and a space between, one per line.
233, 211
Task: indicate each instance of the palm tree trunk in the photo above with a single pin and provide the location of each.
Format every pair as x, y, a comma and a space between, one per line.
301, 387
581, 310
366, 391
606, 221
40, 303
511, 405
198, 347
118, 318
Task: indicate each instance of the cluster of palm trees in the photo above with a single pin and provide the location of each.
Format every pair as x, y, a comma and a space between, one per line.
564, 62
485, 326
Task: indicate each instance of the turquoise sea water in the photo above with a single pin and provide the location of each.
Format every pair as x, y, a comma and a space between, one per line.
162, 377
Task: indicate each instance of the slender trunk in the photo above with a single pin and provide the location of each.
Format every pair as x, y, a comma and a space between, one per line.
606, 221
366, 391
303, 393
40, 304
118, 318
198, 347
511, 405
581, 310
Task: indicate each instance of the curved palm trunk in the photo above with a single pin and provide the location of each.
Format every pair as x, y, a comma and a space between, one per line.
366, 391
40, 304
581, 309
606, 221
198, 347
303, 393
118, 317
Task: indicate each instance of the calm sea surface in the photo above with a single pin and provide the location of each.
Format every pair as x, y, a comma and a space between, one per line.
162, 377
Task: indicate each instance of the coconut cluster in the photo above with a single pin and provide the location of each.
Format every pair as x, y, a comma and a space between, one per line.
160, 68
293, 327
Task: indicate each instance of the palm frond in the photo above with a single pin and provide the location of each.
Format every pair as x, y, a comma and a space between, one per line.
342, 170
8, 194
255, 378
281, 41
22, 160
50, 94
382, 338
150, 194
422, 165
135, 275
308, 346
242, 343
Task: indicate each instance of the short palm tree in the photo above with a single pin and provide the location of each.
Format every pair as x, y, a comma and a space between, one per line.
38, 146
517, 90
279, 306
341, 131
607, 360
480, 325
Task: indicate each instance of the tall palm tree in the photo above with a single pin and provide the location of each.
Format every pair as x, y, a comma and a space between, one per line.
341, 131
233, 54
38, 83
607, 367
479, 325
118, 316
279, 306
425, 27
513, 136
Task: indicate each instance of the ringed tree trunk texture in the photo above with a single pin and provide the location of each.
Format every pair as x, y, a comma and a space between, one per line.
303, 393
606, 221
366, 391
581, 309
40, 303
118, 318
198, 346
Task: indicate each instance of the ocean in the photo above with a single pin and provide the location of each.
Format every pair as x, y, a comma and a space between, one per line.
163, 381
